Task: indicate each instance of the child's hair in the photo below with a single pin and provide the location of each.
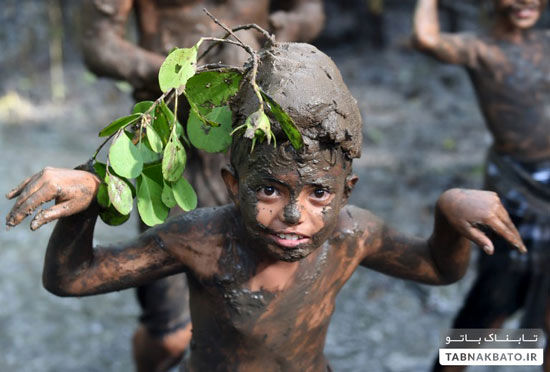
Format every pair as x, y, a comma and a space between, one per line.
308, 86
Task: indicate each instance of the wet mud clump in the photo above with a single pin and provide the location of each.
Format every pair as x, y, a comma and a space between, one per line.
309, 87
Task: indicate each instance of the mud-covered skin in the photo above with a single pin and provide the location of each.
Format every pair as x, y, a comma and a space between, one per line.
165, 24
259, 302
303, 213
250, 310
509, 70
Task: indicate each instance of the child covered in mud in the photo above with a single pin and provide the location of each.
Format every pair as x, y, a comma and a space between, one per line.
510, 73
265, 270
164, 330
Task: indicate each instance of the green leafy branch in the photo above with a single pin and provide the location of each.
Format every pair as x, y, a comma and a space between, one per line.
148, 147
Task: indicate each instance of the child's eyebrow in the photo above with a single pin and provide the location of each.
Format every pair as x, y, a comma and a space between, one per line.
270, 178
323, 181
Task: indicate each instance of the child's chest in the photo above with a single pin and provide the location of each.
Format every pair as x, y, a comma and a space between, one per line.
302, 304
521, 68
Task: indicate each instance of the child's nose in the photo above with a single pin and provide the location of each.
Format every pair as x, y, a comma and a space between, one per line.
291, 214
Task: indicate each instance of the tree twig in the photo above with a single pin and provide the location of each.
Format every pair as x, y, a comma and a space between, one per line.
230, 32
227, 29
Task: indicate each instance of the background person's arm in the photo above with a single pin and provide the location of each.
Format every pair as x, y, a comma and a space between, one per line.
460, 217
108, 53
297, 20
463, 49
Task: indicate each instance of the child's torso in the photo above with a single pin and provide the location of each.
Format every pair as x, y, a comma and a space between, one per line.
512, 83
165, 24
280, 330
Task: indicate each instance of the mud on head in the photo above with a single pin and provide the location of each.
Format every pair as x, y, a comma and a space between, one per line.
309, 87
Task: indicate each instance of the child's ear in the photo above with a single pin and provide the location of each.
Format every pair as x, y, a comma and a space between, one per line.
351, 180
231, 183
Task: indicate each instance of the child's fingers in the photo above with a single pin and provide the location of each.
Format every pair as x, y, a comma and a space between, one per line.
507, 221
55, 212
512, 236
478, 237
17, 190
33, 201
505, 218
32, 187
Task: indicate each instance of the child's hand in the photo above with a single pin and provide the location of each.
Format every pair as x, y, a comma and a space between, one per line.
73, 191
468, 211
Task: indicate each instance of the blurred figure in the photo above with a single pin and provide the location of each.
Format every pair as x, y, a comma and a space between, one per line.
510, 73
165, 330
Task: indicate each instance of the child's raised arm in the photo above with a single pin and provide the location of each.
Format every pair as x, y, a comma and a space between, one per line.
460, 216
73, 267
463, 49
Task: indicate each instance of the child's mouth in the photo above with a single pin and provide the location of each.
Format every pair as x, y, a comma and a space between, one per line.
525, 12
289, 240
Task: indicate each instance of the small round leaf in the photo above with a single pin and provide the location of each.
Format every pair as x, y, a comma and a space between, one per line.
125, 157
173, 162
211, 139
120, 194
149, 199
168, 196
185, 195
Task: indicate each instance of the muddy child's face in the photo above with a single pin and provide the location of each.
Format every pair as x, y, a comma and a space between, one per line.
520, 13
290, 206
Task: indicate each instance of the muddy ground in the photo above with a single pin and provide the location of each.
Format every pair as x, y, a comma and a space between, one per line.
423, 134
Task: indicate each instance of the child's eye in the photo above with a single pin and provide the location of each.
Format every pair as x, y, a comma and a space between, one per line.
320, 193
267, 191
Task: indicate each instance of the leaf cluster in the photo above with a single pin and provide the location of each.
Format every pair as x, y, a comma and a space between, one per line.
148, 152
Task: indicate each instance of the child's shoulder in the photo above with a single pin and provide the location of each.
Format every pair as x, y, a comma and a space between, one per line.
355, 221
208, 220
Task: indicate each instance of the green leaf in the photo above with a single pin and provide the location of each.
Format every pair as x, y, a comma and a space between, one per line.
119, 123
102, 193
210, 89
100, 170
112, 217
173, 161
142, 107
103, 196
125, 157
149, 196
286, 122
177, 68
211, 139
168, 196
147, 155
185, 195
154, 139
168, 114
120, 194
161, 125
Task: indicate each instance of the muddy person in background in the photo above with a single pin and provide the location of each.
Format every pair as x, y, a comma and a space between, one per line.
265, 270
510, 71
162, 25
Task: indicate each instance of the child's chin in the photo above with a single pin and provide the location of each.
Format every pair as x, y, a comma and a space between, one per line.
290, 255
